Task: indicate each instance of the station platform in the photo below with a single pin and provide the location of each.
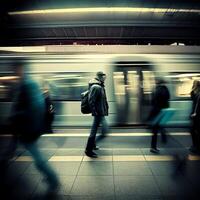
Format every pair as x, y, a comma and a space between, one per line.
124, 170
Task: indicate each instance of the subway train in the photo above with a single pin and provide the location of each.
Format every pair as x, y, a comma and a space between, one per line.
131, 74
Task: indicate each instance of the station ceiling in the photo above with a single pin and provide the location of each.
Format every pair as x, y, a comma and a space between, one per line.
36, 22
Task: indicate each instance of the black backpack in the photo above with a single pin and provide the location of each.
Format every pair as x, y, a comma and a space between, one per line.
85, 107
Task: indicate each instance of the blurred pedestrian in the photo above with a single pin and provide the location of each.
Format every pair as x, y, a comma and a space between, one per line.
195, 117
49, 109
160, 101
27, 120
99, 108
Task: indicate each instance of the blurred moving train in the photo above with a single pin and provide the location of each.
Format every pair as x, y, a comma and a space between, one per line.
131, 74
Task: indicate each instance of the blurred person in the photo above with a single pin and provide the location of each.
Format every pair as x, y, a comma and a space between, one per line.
99, 108
49, 109
27, 120
195, 117
160, 101
6, 146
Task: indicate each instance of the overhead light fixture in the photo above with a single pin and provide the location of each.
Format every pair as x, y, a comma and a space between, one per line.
103, 9
24, 49
177, 44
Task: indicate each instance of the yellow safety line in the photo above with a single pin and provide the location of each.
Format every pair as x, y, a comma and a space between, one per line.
115, 158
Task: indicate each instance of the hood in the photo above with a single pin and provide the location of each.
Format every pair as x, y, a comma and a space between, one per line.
94, 81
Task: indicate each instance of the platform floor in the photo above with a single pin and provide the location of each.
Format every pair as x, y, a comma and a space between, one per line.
124, 170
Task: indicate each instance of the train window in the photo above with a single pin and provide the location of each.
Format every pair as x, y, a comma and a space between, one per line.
64, 86
148, 82
182, 83
119, 84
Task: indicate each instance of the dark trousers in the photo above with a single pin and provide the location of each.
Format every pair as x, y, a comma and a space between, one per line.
41, 163
158, 120
155, 130
92, 138
195, 133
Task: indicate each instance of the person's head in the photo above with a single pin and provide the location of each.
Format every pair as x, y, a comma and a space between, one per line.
196, 86
19, 68
101, 76
160, 81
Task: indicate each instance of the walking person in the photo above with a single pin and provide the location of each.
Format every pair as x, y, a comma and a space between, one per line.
195, 117
99, 108
49, 109
160, 101
27, 120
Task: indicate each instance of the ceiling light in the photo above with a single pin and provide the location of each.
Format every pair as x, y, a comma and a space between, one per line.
102, 10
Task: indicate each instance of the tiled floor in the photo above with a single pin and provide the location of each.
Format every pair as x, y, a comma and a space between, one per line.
124, 170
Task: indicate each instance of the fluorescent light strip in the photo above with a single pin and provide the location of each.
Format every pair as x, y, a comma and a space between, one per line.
109, 134
24, 49
102, 9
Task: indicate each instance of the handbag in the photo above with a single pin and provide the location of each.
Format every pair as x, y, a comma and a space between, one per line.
163, 118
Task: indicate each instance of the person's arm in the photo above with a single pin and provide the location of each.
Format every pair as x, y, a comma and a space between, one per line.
197, 108
93, 96
168, 94
154, 97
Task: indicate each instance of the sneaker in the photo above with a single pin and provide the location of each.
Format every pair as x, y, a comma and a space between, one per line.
96, 148
91, 154
154, 150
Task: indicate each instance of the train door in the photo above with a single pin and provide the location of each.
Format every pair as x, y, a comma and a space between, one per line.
133, 83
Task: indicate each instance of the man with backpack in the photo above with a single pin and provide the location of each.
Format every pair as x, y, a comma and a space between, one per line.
99, 108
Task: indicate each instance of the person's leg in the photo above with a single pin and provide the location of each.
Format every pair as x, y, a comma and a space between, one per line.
164, 121
163, 135
192, 132
197, 136
41, 164
91, 139
159, 121
104, 126
155, 129
104, 130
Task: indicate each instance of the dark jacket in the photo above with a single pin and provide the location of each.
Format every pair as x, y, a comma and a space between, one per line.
196, 105
28, 111
194, 98
97, 98
160, 100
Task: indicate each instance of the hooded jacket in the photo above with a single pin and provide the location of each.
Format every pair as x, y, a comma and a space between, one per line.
161, 97
97, 98
28, 111
196, 106
160, 100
